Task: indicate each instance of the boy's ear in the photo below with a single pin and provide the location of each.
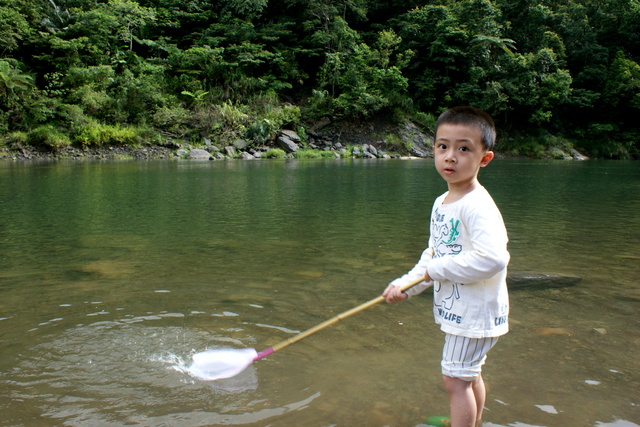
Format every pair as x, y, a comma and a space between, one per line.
488, 156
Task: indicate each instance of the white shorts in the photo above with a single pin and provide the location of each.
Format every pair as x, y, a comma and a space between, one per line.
463, 357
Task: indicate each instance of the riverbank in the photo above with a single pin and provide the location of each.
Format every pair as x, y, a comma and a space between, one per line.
371, 141
156, 152
28, 153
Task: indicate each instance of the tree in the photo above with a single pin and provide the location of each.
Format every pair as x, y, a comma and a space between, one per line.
97, 36
623, 83
13, 84
367, 80
441, 53
14, 27
16, 91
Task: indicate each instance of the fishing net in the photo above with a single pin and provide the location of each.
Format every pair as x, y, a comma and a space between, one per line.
216, 364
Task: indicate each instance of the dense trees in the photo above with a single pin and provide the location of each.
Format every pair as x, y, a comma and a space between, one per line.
107, 71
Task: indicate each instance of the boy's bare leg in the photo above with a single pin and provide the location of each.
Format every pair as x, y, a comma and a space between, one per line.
466, 400
480, 394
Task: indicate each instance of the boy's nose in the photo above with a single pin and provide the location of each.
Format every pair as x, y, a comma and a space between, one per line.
450, 156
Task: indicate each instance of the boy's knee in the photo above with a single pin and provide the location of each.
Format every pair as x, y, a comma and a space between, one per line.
456, 385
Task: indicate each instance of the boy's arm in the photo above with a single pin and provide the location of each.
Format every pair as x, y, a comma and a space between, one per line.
487, 258
393, 294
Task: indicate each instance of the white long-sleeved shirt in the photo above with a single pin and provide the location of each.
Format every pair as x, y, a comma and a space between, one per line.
467, 260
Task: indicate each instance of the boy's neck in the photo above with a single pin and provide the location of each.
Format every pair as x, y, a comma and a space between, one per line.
457, 192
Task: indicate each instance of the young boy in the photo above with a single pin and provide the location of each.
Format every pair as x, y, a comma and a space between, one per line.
465, 262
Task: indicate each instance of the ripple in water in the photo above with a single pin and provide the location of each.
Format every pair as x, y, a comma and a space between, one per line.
116, 372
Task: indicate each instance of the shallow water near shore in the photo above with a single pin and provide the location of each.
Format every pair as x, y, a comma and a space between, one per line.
112, 275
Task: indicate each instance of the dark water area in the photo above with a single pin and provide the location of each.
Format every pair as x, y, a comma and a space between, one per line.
113, 274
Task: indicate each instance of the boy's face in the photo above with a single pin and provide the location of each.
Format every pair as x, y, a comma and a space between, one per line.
459, 155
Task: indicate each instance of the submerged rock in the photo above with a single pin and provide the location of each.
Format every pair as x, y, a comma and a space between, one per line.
540, 280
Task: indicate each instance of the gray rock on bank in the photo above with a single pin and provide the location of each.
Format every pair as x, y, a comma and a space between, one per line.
288, 140
199, 154
420, 143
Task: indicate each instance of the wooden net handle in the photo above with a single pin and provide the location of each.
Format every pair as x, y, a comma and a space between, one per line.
336, 319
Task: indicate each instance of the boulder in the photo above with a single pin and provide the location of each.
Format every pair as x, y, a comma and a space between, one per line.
420, 143
199, 154
576, 155
291, 135
370, 149
240, 144
558, 153
533, 280
230, 151
325, 121
286, 143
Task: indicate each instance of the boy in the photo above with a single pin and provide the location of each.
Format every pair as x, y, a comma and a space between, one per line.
465, 262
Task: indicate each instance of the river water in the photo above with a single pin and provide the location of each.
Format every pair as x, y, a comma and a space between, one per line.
113, 274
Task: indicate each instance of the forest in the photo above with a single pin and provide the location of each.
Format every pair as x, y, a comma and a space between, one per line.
92, 73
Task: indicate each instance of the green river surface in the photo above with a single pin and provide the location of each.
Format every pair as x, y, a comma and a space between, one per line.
112, 275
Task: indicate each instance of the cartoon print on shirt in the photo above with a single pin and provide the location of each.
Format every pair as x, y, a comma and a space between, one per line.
448, 301
445, 235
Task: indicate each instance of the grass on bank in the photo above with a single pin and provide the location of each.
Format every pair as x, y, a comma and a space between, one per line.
309, 153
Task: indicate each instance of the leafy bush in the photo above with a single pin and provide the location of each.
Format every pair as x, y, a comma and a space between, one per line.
529, 146
395, 143
327, 154
16, 138
426, 120
275, 153
48, 136
98, 134
261, 130
270, 120
307, 153
172, 119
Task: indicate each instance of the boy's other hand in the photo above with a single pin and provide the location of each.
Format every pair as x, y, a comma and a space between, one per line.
394, 294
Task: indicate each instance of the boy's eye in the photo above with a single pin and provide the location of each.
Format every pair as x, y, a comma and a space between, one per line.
442, 146
464, 148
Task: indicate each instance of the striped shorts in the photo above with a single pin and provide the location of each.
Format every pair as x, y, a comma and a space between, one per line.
463, 357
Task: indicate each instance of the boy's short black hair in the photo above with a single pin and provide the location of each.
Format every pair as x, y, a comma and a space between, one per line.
471, 116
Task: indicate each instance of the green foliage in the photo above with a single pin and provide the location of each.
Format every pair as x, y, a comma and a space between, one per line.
525, 146
48, 136
172, 119
275, 153
244, 69
394, 143
363, 80
623, 82
14, 27
98, 134
426, 120
270, 120
307, 153
13, 83
261, 130
17, 137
